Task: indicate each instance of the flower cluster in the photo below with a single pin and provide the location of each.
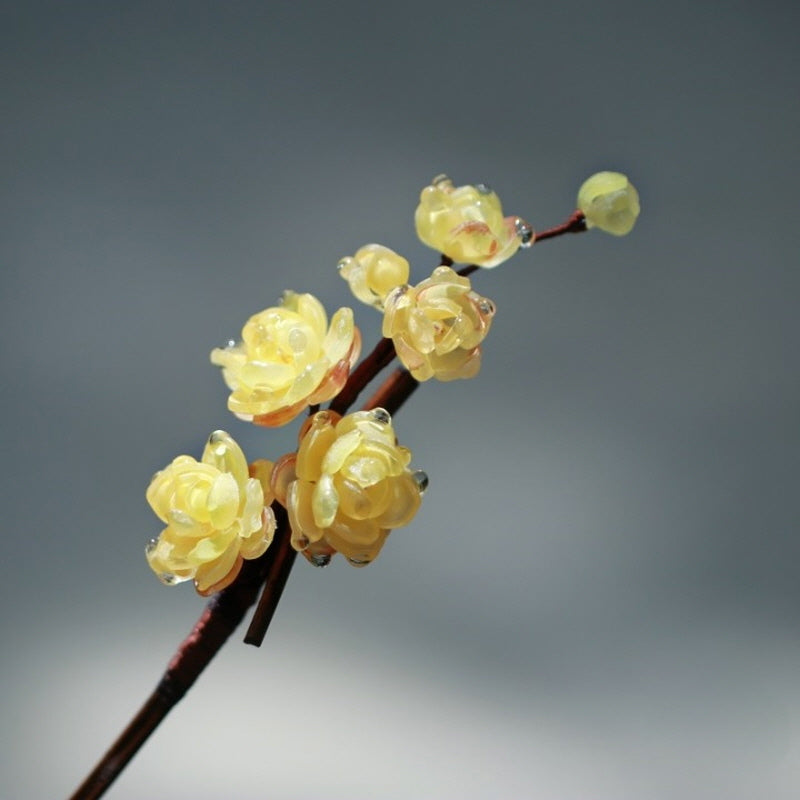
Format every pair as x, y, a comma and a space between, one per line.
347, 487
289, 358
349, 483
216, 515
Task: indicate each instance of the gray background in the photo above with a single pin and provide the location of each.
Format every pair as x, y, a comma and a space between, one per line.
599, 598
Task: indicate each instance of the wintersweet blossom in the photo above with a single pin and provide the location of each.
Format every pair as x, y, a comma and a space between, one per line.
438, 325
467, 224
610, 202
289, 358
347, 486
217, 514
373, 272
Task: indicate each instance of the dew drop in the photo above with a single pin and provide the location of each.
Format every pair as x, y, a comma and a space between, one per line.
486, 306
524, 231
168, 578
420, 478
483, 188
441, 180
381, 415
320, 559
358, 562
150, 546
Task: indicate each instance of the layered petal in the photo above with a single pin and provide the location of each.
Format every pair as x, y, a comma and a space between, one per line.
288, 358
217, 514
347, 487
466, 223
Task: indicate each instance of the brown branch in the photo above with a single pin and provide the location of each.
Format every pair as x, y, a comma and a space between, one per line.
575, 223
381, 356
222, 615
394, 391
277, 576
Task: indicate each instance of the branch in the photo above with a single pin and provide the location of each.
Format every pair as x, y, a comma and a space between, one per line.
222, 615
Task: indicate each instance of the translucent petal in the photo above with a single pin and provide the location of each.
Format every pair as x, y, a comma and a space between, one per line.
223, 453
223, 501
339, 450
324, 501
216, 575
404, 503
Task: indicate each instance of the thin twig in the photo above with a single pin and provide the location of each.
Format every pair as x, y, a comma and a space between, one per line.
273, 587
222, 615
575, 223
380, 357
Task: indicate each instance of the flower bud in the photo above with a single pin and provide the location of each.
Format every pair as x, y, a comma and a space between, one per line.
373, 272
609, 201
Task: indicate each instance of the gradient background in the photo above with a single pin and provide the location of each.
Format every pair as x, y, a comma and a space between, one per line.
600, 596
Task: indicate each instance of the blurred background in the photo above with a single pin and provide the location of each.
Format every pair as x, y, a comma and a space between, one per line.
600, 595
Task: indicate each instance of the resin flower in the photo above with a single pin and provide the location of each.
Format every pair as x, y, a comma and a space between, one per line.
347, 487
609, 201
216, 515
289, 358
438, 325
467, 224
373, 272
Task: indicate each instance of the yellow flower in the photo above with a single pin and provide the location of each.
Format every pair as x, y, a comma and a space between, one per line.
289, 358
467, 224
373, 272
216, 515
609, 201
347, 486
437, 326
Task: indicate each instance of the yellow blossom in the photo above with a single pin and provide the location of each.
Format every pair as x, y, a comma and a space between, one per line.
216, 515
610, 202
289, 358
373, 272
347, 486
437, 326
467, 224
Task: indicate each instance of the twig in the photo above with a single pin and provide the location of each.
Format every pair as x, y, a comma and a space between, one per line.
276, 579
222, 615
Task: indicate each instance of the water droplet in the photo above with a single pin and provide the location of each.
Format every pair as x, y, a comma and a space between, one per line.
483, 188
381, 415
320, 559
151, 546
358, 562
168, 578
298, 341
524, 231
421, 479
486, 306
441, 180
